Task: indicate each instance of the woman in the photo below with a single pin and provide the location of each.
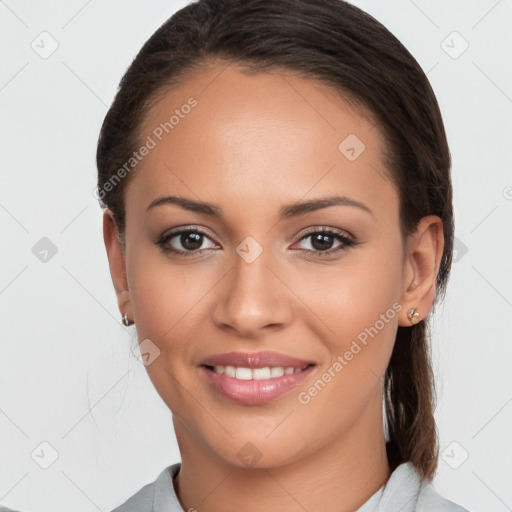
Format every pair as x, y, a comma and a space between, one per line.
278, 223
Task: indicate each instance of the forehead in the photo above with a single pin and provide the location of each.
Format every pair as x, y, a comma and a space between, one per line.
255, 138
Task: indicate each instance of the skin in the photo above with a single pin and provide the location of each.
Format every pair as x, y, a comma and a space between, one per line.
252, 145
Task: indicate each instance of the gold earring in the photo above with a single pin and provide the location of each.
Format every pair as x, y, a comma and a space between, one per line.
413, 316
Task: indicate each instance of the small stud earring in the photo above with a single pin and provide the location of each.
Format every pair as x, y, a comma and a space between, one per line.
127, 322
413, 316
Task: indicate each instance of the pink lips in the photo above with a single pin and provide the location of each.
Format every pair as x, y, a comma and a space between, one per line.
254, 392
255, 360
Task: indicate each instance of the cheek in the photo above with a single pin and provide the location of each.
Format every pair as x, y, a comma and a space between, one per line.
358, 304
348, 385
353, 295
164, 295
166, 304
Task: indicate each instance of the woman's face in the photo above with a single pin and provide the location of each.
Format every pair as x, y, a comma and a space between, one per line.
255, 279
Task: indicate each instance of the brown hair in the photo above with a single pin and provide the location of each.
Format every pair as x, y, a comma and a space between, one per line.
339, 44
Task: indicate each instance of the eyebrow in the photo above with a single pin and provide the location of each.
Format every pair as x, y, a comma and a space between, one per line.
286, 212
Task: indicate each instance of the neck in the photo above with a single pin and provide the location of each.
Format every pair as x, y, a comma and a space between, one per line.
346, 472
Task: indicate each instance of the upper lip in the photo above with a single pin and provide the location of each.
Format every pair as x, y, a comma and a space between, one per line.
255, 360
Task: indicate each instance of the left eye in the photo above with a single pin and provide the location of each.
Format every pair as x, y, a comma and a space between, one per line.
322, 241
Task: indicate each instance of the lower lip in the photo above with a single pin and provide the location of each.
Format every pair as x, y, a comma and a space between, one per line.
254, 392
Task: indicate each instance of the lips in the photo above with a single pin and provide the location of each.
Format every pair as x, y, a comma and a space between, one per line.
255, 360
254, 378
253, 392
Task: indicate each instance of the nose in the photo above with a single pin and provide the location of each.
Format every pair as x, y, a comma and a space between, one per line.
253, 298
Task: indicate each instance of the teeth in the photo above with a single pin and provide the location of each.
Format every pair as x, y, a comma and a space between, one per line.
242, 373
278, 371
230, 371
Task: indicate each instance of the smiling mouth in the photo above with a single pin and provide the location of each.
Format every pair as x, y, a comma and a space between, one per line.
267, 372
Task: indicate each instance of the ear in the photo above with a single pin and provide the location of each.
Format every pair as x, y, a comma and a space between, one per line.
116, 260
424, 250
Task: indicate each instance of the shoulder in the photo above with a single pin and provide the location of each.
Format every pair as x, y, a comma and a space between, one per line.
150, 497
430, 500
405, 491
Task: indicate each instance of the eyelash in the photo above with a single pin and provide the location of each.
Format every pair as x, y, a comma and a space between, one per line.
346, 241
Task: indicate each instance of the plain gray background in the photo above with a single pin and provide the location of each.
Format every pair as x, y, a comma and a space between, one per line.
68, 377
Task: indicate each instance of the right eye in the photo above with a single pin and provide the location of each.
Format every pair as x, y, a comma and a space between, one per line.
191, 239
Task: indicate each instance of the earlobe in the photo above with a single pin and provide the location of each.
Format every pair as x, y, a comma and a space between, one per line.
424, 252
117, 263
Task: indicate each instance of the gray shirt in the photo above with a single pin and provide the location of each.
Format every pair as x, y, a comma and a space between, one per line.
403, 492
